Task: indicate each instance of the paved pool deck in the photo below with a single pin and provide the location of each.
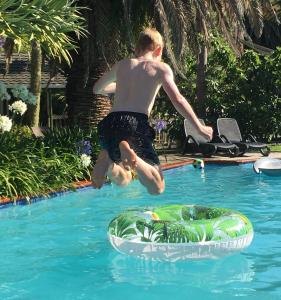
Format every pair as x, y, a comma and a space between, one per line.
172, 160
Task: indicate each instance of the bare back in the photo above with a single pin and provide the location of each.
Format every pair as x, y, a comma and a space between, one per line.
137, 83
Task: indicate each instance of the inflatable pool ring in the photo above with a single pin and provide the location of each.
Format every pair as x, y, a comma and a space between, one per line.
198, 164
268, 166
178, 232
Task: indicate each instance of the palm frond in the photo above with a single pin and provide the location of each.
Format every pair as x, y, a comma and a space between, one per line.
127, 17
260, 49
270, 11
255, 16
176, 17
166, 31
48, 21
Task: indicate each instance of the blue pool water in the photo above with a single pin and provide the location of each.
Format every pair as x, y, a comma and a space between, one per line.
58, 248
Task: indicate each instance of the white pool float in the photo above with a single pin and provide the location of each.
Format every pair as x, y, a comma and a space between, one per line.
180, 232
268, 166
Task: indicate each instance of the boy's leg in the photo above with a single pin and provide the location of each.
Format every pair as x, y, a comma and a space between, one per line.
105, 166
100, 169
119, 175
151, 177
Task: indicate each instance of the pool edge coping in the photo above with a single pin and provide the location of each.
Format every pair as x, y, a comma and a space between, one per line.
7, 202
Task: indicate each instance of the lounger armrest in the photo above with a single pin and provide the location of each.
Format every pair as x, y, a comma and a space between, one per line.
224, 139
218, 139
190, 137
252, 138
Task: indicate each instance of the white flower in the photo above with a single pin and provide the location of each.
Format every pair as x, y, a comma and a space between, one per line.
85, 160
18, 107
5, 123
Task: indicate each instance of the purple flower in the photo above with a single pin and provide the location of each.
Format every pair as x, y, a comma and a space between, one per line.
84, 147
160, 125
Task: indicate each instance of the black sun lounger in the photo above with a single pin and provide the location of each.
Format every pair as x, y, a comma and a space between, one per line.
198, 143
229, 132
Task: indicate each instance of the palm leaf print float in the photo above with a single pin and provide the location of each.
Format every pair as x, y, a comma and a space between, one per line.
178, 232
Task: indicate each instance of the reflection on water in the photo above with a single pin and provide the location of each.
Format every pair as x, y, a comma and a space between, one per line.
203, 177
140, 272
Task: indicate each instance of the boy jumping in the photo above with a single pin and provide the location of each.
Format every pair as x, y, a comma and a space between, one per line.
125, 135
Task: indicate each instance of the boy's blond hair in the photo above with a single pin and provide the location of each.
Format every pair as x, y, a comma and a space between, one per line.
149, 40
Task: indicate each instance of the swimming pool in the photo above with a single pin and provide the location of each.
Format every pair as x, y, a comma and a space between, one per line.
58, 249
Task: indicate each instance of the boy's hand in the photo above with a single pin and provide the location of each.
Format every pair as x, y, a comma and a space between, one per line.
207, 131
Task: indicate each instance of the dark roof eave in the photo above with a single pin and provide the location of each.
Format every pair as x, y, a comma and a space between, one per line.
43, 86
20, 73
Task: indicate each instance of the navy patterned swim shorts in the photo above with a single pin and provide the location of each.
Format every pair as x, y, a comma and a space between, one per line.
131, 127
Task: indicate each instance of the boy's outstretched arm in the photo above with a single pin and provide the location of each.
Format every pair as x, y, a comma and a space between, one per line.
180, 103
106, 84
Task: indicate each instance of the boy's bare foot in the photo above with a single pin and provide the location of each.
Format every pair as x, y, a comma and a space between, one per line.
128, 155
100, 169
119, 175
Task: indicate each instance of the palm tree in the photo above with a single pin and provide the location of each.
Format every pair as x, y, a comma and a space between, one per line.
105, 45
183, 23
91, 61
40, 25
113, 27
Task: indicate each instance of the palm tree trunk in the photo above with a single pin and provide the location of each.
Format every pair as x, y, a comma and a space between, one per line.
84, 108
33, 113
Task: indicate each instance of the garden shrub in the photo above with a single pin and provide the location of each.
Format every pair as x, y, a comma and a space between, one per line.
32, 166
247, 88
26, 174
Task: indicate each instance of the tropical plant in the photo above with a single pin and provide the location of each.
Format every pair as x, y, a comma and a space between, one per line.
194, 21
74, 140
26, 174
33, 166
246, 88
38, 25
